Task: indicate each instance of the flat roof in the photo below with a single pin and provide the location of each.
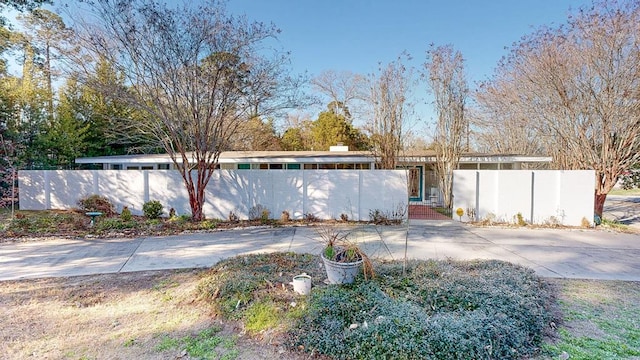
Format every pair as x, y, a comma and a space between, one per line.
310, 157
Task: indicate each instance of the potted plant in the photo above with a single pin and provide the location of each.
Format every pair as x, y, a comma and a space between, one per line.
342, 258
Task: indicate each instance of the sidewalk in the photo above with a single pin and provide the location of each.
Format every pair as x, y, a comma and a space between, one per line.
564, 253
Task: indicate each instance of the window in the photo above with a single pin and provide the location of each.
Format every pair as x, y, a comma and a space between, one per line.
275, 166
363, 166
164, 166
293, 166
147, 167
310, 166
488, 166
228, 166
116, 167
468, 166
260, 166
506, 166
327, 166
129, 167
244, 166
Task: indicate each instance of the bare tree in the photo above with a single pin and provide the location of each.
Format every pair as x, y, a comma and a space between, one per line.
448, 83
344, 90
501, 128
578, 87
390, 108
195, 72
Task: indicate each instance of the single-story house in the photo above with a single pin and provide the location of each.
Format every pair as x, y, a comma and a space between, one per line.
423, 186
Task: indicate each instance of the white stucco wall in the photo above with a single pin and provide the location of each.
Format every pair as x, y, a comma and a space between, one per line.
324, 193
541, 196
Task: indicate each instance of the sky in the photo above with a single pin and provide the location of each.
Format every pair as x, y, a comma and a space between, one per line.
358, 35
355, 35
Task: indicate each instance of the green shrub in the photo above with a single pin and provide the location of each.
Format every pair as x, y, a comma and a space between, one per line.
96, 203
125, 215
265, 216
152, 209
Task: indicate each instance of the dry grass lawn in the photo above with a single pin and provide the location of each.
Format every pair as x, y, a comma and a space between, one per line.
115, 316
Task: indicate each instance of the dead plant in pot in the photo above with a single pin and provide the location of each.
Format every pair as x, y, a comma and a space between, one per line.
342, 257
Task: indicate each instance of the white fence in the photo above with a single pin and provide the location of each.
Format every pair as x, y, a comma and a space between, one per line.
541, 196
324, 193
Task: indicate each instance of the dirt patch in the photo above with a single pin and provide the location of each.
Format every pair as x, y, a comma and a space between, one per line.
114, 316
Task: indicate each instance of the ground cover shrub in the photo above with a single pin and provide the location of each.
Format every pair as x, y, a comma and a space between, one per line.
109, 224
438, 310
46, 222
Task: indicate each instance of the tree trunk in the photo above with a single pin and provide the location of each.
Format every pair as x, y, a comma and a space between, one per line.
599, 204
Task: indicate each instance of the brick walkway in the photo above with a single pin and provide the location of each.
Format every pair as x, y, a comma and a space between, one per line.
424, 212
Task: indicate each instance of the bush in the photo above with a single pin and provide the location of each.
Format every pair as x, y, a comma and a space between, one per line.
97, 203
125, 215
258, 212
394, 217
310, 218
152, 209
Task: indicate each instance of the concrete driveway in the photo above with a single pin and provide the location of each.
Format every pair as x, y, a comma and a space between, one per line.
589, 254
624, 209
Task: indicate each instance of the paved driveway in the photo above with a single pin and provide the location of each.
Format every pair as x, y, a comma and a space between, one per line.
591, 254
624, 209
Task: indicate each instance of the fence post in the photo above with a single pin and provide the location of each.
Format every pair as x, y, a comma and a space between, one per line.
533, 186
47, 190
145, 179
477, 212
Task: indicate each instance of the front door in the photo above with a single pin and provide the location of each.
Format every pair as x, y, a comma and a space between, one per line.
415, 183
